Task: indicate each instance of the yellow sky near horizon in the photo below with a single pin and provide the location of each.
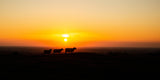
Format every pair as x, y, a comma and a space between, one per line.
42, 22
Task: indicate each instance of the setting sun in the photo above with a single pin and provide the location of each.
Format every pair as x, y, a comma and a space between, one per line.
80, 23
65, 35
65, 40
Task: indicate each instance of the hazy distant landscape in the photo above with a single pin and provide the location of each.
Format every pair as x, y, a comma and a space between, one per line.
97, 50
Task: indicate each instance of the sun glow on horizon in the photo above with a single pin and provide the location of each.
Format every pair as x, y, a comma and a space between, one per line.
65, 40
65, 35
79, 23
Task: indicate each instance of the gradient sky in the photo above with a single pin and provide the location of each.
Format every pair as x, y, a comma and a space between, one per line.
88, 22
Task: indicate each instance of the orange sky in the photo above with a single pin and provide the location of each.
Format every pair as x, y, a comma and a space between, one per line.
88, 22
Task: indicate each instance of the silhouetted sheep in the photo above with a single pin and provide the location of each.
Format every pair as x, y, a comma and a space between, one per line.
57, 50
47, 51
70, 50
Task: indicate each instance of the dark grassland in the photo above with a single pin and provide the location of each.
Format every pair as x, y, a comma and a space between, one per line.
79, 65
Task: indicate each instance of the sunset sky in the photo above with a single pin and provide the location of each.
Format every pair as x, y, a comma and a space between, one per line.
88, 23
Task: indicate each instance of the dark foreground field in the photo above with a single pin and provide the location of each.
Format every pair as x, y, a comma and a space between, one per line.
77, 65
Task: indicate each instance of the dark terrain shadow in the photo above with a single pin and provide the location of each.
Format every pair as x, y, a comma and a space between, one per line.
77, 65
